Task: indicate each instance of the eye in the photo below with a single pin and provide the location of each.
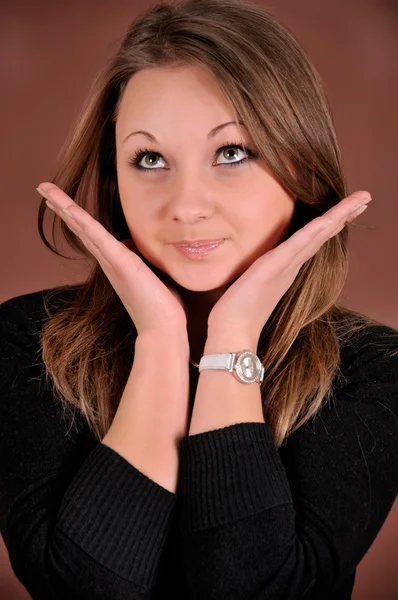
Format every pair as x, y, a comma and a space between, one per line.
229, 152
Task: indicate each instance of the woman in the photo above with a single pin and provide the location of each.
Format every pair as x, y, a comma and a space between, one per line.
267, 479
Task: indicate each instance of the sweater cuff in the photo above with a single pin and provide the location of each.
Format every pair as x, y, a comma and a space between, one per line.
230, 473
118, 515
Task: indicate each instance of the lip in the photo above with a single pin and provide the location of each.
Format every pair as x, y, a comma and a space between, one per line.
198, 250
198, 243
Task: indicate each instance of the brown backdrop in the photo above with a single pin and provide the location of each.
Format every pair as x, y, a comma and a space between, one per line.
49, 53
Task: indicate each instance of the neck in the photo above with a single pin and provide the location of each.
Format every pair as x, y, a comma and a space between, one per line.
198, 307
197, 335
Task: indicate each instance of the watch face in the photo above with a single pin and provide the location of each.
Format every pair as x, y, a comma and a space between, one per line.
248, 367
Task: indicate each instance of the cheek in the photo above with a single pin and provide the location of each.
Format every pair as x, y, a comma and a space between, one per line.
265, 223
139, 225
265, 211
136, 211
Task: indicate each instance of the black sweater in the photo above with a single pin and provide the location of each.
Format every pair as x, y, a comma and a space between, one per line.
248, 521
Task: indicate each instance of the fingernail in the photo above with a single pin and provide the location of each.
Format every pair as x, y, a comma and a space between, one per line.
42, 193
360, 210
360, 205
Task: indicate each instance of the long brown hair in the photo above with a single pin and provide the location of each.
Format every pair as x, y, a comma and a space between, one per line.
88, 341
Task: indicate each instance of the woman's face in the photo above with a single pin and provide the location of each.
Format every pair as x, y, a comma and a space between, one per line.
193, 190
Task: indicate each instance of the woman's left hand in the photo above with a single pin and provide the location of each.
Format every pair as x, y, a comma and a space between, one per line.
248, 303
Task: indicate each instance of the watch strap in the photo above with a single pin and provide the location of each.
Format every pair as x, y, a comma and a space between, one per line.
217, 361
232, 362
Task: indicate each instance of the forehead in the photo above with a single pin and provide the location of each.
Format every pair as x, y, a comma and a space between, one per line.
180, 93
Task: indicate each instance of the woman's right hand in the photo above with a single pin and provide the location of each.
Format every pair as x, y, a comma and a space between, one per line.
152, 304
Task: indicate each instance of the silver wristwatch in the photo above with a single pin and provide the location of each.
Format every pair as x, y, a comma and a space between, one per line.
245, 365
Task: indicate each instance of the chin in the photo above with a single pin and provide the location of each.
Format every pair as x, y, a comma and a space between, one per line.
209, 279
204, 279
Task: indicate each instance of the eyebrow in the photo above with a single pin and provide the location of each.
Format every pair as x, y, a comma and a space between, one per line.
210, 135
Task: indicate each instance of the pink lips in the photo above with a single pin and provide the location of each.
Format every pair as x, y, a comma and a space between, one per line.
198, 250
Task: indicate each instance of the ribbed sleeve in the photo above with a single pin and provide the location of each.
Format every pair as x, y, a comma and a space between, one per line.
229, 473
117, 515
260, 522
79, 521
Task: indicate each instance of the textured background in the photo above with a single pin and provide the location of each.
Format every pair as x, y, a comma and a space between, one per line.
49, 54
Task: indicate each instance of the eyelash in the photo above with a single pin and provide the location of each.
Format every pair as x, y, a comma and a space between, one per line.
139, 155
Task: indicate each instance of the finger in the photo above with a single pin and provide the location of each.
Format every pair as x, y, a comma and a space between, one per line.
351, 217
341, 211
305, 242
78, 231
336, 217
95, 237
333, 226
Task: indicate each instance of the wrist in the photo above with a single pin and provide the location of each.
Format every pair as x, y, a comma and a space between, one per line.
223, 341
164, 340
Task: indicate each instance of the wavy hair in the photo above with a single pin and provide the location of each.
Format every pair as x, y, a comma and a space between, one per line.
87, 343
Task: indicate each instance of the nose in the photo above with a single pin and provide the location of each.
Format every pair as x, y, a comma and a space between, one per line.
190, 201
